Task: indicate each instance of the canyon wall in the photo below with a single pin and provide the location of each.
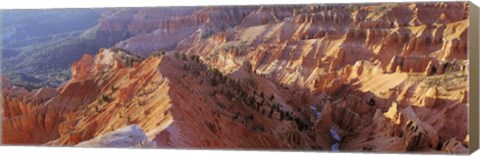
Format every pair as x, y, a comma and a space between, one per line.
365, 77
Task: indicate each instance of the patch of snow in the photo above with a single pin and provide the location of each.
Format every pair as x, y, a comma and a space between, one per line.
316, 114
130, 136
335, 135
335, 147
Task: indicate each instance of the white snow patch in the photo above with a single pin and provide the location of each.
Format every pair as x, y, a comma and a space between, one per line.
130, 136
335, 147
335, 135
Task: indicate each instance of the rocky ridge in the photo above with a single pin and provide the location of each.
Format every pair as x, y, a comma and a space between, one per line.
378, 77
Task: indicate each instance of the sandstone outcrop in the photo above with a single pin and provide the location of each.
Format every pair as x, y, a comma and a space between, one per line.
374, 77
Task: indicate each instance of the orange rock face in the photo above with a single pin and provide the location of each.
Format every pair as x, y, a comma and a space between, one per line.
374, 77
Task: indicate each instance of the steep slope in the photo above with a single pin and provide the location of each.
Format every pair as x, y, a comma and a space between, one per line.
113, 89
29, 38
370, 77
44, 43
169, 32
381, 54
315, 40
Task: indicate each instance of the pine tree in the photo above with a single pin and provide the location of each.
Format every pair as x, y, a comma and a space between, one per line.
184, 57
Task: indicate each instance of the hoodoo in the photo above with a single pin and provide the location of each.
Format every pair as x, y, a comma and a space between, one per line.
364, 77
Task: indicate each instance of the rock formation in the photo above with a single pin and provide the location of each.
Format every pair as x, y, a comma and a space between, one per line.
371, 77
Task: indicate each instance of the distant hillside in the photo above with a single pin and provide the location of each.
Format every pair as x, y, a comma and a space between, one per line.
42, 44
26, 27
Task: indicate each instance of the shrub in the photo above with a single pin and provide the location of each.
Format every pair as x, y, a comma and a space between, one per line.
371, 102
272, 97
300, 124
195, 58
105, 98
129, 62
213, 82
260, 127
214, 92
99, 101
237, 114
184, 57
271, 113
112, 88
155, 54
118, 49
250, 117
129, 119
102, 99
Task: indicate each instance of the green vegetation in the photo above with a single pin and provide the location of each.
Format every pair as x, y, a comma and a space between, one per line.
49, 42
195, 58
213, 93
452, 74
103, 99
158, 53
118, 49
272, 97
40, 53
217, 77
113, 88
184, 56
129, 119
245, 91
371, 102
155, 54
129, 62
